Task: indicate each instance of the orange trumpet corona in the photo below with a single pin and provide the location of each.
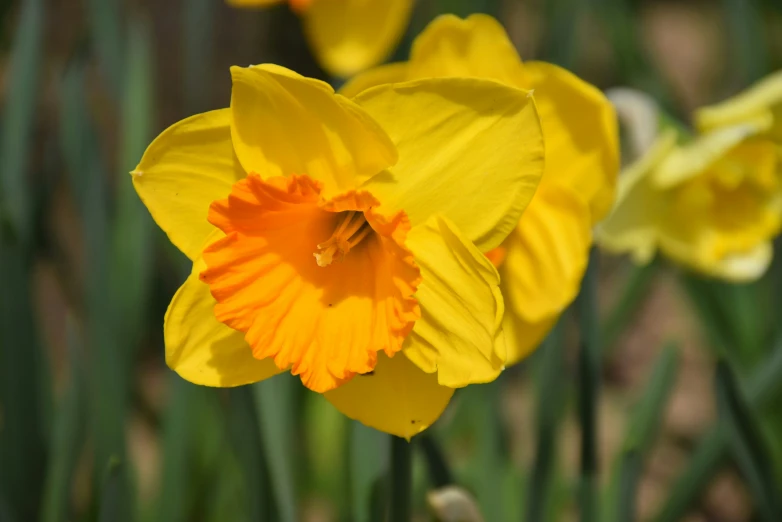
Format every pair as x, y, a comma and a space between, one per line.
353, 299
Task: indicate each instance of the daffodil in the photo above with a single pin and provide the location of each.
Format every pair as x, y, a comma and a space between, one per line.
328, 235
348, 36
712, 202
542, 261
759, 108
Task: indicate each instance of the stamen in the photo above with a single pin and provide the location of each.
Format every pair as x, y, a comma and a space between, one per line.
352, 229
364, 233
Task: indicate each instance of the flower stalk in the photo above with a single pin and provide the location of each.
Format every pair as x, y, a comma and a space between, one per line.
401, 482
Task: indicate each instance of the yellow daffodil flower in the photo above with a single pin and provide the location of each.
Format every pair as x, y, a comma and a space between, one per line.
328, 234
543, 260
759, 107
711, 203
348, 36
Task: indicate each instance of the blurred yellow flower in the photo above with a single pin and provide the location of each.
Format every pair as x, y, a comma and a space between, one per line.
542, 262
348, 36
712, 203
759, 107
327, 235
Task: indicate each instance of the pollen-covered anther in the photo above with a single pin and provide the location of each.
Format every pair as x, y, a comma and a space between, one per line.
352, 229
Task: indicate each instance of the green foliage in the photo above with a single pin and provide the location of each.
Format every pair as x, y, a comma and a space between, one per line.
76, 117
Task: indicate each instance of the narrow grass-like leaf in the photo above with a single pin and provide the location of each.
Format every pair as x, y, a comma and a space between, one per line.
589, 359
21, 95
621, 25
274, 400
703, 465
647, 414
561, 43
747, 442
644, 423
551, 396
746, 29
21, 437
68, 437
132, 231
633, 292
73, 132
198, 47
177, 450
400, 480
104, 17
744, 308
5, 510
714, 318
109, 371
489, 462
113, 502
249, 450
325, 465
439, 471
369, 454
764, 382
22, 443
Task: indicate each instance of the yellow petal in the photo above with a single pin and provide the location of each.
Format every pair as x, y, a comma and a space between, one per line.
469, 149
397, 398
639, 116
188, 166
746, 267
285, 124
690, 160
632, 225
349, 36
389, 73
477, 46
458, 335
203, 350
523, 337
760, 105
546, 255
581, 133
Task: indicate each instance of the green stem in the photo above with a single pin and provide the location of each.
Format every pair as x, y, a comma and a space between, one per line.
588, 379
635, 289
400, 495
713, 446
439, 472
551, 396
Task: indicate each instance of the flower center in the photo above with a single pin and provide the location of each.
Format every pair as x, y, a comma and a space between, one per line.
350, 231
325, 325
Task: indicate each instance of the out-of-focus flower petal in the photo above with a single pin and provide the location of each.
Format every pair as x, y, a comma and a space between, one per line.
760, 106
581, 133
475, 47
632, 225
545, 259
389, 73
690, 160
349, 36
